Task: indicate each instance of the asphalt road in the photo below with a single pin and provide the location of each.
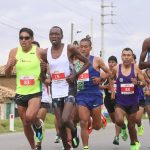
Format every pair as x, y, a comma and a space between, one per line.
99, 140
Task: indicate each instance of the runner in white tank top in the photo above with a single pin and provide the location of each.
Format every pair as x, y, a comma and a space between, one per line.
63, 87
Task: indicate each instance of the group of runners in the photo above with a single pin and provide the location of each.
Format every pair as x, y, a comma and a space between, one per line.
76, 80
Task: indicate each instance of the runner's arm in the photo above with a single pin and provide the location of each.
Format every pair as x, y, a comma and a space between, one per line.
11, 62
145, 49
42, 53
113, 75
141, 79
75, 53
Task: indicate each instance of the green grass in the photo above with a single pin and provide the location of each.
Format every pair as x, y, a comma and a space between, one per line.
4, 124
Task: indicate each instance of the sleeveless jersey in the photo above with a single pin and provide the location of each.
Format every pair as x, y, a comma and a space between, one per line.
45, 94
59, 70
86, 78
28, 71
127, 92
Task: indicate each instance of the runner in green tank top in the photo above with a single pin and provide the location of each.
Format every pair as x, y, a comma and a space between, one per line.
27, 59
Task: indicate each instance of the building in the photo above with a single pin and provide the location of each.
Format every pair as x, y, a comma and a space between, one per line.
7, 93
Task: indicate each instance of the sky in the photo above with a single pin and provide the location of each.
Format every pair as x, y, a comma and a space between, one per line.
132, 23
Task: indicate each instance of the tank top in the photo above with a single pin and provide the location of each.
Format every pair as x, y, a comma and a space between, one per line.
45, 94
27, 72
86, 78
127, 92
59, 70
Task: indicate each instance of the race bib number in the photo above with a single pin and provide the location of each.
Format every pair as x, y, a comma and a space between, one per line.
127, 88
58, 76
84, 76
27, 80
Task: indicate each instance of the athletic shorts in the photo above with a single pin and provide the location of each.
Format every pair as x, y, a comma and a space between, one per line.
128, 109
109, 104
142, 102
89, 100
147, 100
45, 105
22, 100
59, 102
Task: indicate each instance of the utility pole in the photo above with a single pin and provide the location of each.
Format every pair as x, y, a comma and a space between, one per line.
102, 51
72, 29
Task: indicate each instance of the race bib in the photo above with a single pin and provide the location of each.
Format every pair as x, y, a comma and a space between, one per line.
27, 80
58, 76
84, 76
127, 88
81, 79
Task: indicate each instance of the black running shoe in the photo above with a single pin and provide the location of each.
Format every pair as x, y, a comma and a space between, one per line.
116, 140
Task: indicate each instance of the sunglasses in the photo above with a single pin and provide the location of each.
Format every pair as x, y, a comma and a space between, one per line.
24, 37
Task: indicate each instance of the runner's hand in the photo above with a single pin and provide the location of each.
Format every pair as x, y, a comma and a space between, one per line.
134, 81
71, 78
146, 91
12, 62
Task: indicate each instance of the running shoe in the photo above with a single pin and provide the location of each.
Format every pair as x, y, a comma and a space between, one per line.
133, 147
75, 139
57, 139
138, 145
39, 131
140, 130
90, 128
124, 134
116, 140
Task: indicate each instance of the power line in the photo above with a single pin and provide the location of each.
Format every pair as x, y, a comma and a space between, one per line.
16, 28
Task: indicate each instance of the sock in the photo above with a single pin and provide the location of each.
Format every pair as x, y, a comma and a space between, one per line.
86, 148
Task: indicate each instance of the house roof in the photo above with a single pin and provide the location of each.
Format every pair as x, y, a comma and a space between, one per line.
2, 71
6, 94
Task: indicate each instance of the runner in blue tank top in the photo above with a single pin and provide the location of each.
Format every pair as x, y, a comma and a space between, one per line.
127, 96
89, 97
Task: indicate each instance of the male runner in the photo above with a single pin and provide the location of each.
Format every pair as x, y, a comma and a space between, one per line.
26, 58
127, 96
89, 97
60, 57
